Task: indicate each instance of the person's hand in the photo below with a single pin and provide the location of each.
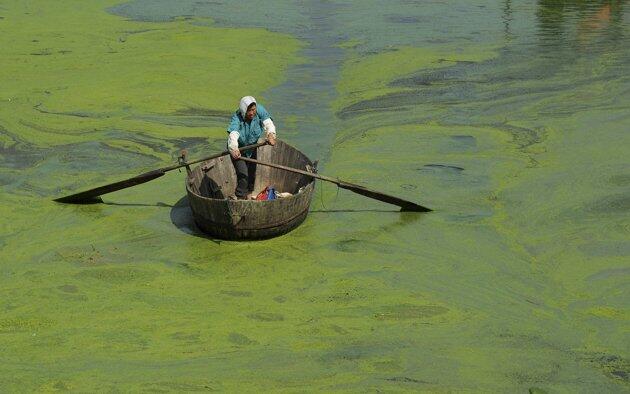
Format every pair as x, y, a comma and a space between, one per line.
235, 154
271, 139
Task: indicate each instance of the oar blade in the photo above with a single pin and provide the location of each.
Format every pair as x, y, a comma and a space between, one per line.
412, 207
92, 196
405, 206
79, 199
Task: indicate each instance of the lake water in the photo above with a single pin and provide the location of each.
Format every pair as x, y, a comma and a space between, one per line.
510, 119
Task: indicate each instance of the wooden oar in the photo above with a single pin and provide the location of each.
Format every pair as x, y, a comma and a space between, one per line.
403, 204
91, 195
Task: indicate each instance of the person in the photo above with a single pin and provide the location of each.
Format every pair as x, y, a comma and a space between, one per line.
246, 127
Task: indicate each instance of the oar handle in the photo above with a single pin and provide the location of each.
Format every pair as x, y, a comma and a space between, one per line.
224, 153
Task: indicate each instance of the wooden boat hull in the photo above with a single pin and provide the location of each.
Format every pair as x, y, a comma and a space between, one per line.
209, 184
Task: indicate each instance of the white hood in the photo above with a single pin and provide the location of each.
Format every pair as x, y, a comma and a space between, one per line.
246, 102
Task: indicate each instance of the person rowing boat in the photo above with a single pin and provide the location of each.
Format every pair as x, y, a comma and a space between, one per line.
246, 127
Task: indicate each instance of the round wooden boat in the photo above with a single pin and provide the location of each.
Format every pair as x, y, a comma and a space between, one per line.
209, 185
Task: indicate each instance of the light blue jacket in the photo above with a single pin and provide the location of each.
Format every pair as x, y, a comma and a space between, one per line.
249, 133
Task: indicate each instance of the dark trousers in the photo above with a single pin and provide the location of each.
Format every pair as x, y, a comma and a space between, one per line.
245, 176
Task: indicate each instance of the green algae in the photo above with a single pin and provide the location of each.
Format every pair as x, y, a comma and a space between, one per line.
515, 283
368, 76
110, 93
100, 72
515, 179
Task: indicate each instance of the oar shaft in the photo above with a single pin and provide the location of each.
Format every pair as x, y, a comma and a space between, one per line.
403, 204
290, 169
92, 194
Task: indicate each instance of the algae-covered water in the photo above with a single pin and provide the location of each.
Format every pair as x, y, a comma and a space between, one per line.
509, 118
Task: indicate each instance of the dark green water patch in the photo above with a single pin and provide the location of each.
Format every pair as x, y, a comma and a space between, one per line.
241, 340
83, 155
189, 117
236, 293
610, 205
610, 249
348, 353
83, 164
197, 147
165, 12
613, 273
620, 180
205, 112
124, 341
404, 312
192, 118
72, 289
15, 153
339, 330
613, 366
18, 324
18, 156
168, 387
224, 13
79, 114
459, 72
456, 93
192, 269
470, 216
351, 245
443, 167
185, 337
405, 379
406, 19
523, 137
43, 52
116, 276
463, 142
83, 256
266, 317
397, 102
348, 293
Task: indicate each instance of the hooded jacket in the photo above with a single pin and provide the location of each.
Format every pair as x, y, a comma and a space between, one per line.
241, 132
245, 103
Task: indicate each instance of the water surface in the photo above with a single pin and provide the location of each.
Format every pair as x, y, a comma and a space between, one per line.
508, 118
